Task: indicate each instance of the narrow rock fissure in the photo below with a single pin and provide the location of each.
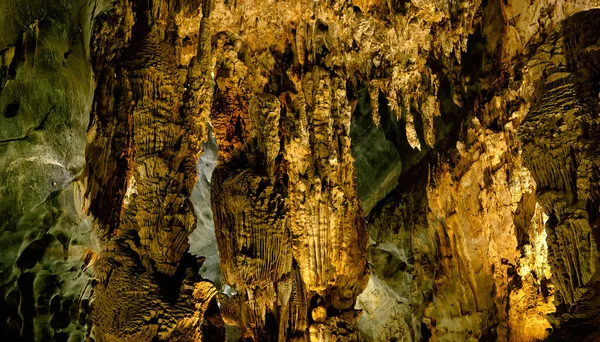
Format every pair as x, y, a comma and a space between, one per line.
203, 242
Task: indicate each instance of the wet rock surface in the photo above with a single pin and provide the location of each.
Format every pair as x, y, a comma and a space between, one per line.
46, 248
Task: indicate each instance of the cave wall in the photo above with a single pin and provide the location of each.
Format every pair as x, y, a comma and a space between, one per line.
483, 203
46, 90
459, 247
563, 159
385, 170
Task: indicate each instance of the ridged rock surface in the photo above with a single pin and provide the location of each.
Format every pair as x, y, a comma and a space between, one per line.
342, 170
145, 140
560, 139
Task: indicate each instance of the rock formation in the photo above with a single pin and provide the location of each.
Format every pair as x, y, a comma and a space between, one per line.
563, 158
147, 133
385, 170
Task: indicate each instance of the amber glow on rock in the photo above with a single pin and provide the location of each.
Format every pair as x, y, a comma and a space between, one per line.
268, 170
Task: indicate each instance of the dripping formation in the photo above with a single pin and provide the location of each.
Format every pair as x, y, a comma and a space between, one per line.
365, 170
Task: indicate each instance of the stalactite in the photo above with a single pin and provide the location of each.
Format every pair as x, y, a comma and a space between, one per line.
145, 262
555, 144
386, 170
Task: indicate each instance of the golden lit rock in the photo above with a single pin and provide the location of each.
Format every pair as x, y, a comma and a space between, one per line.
383, 170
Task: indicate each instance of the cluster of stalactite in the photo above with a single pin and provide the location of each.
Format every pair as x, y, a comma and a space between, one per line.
147, 128
287, 217
485, 227
560, 147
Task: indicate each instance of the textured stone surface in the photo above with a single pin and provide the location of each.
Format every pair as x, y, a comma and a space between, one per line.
383, 170
145, 140
46, 248
451, 253
290, 227
561, 146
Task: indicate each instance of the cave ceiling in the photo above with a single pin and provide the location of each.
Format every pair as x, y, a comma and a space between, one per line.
299, 170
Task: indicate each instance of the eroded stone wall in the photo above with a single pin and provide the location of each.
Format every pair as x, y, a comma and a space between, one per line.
46, 90
560, 147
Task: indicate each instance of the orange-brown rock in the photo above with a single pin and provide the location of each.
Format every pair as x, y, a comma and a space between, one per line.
386, 170
147, 134
560, 146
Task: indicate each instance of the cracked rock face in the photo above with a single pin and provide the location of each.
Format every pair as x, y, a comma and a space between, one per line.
363, 170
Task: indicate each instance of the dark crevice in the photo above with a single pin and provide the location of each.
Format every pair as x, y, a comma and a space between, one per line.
27, 307
12, 109
425, 333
